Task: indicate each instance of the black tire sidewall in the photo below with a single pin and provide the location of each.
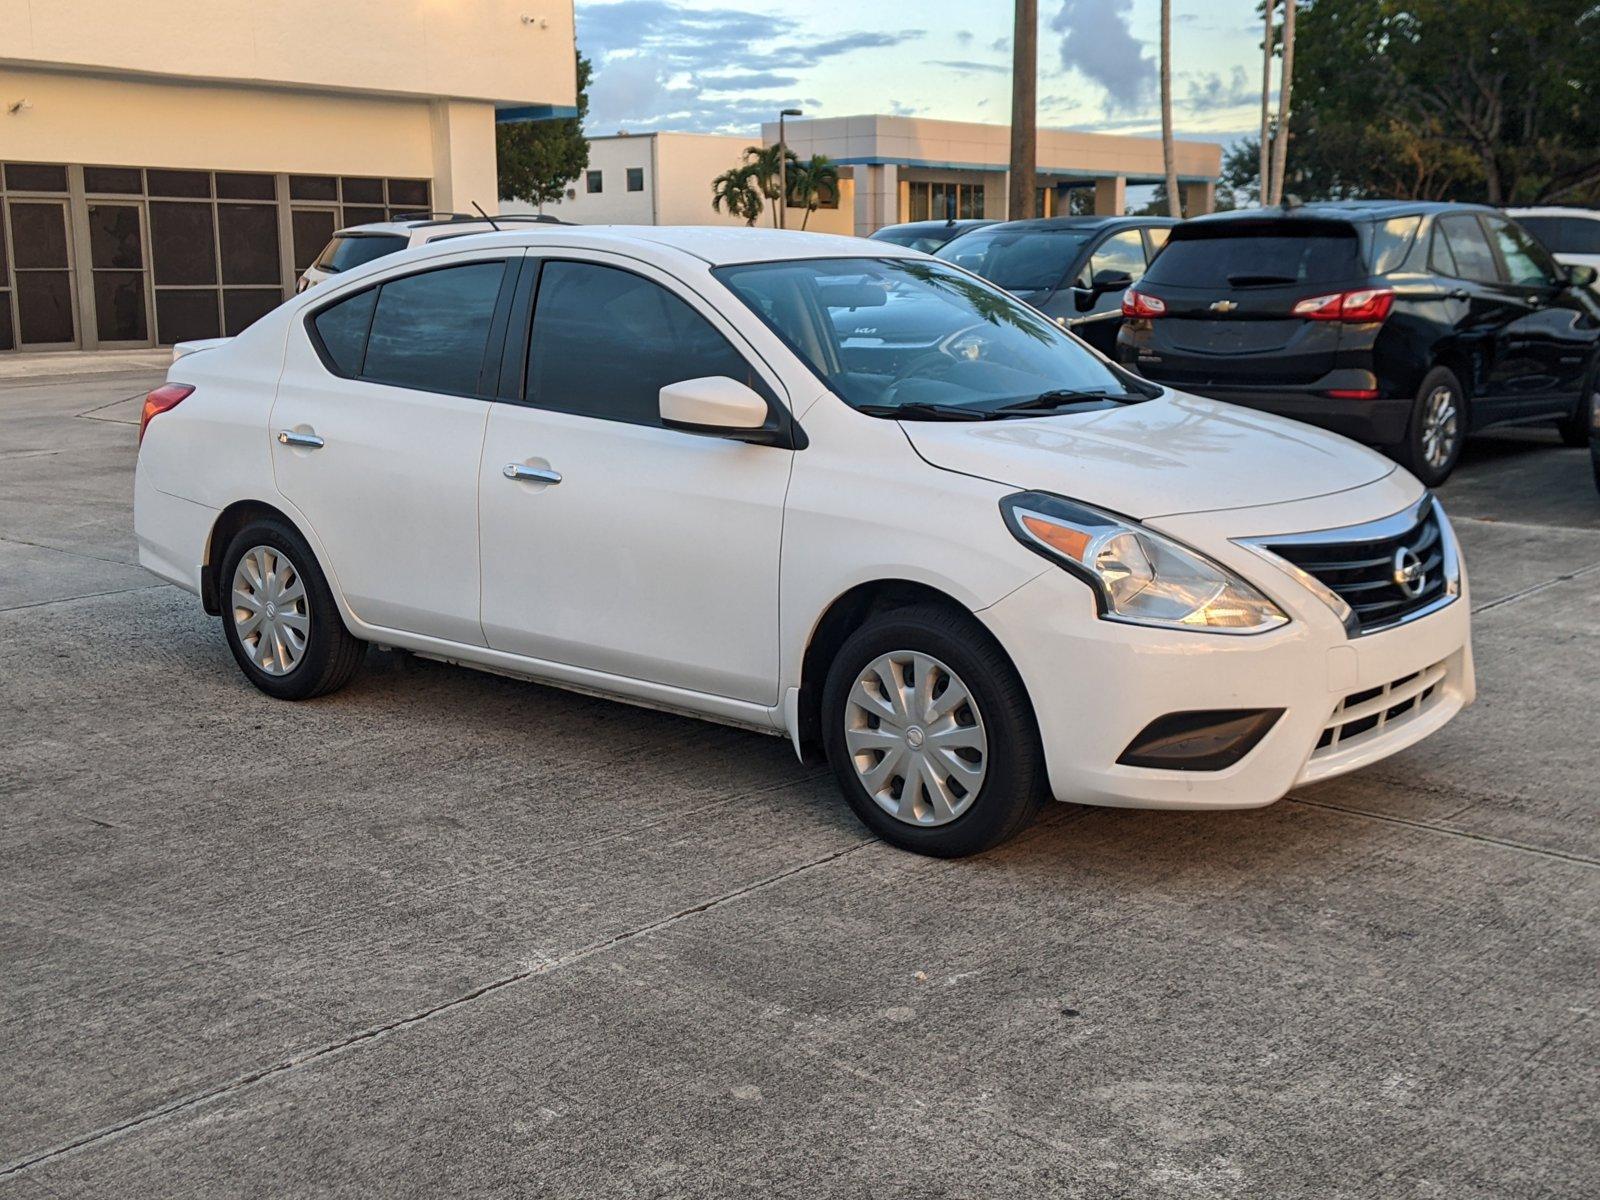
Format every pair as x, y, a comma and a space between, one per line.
1013, 785
1416, 460
326, 623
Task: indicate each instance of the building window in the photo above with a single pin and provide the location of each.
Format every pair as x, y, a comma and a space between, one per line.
944, 201
636, 179
592, 181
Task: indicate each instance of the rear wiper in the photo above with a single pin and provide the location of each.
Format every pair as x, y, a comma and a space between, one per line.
925, 412
1059, 399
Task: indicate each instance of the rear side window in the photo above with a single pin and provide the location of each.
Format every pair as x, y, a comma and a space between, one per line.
1259, 254
343, 330
1461, 250
1391, 242
351, 251
606, 341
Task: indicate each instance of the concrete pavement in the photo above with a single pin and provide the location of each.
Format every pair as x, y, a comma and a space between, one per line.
445, 932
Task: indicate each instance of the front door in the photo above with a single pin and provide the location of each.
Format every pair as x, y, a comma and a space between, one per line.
1122, 252
376, 435
117, 265
1554, 334
41, 264
611, 543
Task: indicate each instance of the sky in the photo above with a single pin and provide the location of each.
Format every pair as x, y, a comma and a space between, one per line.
724, 66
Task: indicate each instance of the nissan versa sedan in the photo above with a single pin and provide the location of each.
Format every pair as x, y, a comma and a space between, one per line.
645, 463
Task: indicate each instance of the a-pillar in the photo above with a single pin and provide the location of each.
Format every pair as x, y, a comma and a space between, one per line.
463, 156
1110, 196
1198, 198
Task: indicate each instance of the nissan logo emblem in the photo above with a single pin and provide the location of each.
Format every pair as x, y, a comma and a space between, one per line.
1409, 574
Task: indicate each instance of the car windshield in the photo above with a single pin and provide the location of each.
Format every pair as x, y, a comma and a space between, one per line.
351, 250
918, 339
1018, 259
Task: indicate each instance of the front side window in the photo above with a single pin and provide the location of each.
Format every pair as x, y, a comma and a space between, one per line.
1122, 252
636, 179
910, 337
594, 181
1460, 249
1019, 260
606, 341
1528, 264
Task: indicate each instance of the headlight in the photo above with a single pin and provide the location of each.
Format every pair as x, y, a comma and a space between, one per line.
1138, 575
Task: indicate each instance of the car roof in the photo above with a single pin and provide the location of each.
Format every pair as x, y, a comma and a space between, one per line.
450, 223
1344, 210
941, 223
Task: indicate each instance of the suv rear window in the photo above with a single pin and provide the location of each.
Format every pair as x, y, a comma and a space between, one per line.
354, 249
1259, 254
1565, 235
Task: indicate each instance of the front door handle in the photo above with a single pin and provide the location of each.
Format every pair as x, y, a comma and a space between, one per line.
526, 474
293, 437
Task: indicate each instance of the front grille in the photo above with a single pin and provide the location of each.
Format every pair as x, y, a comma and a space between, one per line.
1364, 715
1365, 573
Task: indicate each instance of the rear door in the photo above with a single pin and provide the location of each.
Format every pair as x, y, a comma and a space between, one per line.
1230, 288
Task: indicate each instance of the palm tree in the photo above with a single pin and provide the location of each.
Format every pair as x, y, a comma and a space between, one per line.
735, 192
809, 181
763, 164
1024, 111
1168, 150
1264, 196
1280, 144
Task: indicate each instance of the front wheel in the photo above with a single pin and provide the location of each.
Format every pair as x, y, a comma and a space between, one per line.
1437, 429
930, 733
1578, 428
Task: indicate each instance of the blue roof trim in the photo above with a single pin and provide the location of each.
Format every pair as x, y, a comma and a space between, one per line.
534, 112
1071, 172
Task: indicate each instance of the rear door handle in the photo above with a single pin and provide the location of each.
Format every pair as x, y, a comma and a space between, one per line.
293, 437
526, 474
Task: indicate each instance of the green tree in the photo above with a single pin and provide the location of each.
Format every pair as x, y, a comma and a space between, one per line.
762, 164
735, 192
537, 159
813, 183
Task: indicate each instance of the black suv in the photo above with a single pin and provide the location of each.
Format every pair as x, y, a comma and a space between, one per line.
1074, 269
1403, 325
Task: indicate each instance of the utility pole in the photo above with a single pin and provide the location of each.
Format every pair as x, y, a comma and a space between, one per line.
1264, 197
1024, 112
1280, 144
1168, 150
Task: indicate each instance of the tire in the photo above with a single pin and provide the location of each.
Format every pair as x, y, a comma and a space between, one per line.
1575, 428
314, 654
1436, 430
992, 732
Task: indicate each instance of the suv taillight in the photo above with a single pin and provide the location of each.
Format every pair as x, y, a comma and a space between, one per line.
1355, 308
164, 398
1137, 304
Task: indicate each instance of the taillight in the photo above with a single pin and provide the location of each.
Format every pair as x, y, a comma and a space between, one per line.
163, 399
1137, 304
1367, 305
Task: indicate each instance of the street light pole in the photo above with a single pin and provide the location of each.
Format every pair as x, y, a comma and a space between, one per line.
783, 168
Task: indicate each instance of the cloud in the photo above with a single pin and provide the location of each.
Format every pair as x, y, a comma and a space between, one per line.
968, 66
747, 80
1208, 91
1098, 43
964, 36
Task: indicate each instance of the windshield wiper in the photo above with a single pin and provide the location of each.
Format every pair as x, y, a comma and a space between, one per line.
1059, 399
925, 412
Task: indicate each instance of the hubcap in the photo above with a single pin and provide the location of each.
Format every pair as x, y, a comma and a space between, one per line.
1440, 427
270, 610
916, 738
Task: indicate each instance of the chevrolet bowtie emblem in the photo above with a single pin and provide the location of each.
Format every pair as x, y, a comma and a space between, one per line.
1223, 306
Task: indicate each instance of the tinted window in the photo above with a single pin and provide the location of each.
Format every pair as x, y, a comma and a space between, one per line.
429, 330
1565, 235
1466, 248
636, 179
1391, 242
1528, 264
1258, 254
1019, 260
345, 252
578, 364
1123, 252
343, 330
592, 180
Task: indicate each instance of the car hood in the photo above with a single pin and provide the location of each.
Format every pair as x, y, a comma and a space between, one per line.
1175, 454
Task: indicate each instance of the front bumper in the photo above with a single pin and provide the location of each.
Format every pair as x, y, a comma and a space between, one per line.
1096, 684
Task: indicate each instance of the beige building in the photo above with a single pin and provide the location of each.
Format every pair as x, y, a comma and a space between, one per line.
167, 167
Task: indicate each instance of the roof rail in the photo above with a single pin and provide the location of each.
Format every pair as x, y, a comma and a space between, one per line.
456, 218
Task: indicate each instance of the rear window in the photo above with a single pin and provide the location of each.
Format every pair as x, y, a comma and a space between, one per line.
1565, 235
1259, 254
352, 250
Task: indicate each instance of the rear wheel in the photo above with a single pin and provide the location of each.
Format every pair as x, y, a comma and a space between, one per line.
1437, 429
279, 615
930, 734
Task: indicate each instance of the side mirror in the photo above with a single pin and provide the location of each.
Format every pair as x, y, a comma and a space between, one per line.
718, 406
1110, 281
1581, 275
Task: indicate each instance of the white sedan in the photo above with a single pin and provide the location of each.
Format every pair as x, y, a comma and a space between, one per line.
819, 487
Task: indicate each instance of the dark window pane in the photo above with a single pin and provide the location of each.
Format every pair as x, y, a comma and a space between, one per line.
363, 191
578, 365
179, 183
237, 186
364, 216
430, 329
182, 244
342, 253
44, 307
114, 236
242, 307
594, 181
312, 232
31, 177
636, 179
6, 341
119, 306
343, 330
313, 187
408, 193
38, 235
249, 237
182, 316
1231, 254
121, 180
3, 250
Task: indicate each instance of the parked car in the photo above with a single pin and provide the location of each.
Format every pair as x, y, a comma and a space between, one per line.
926, 236
1403, 325
1073, 269
642, 463
357, 244
1571, 234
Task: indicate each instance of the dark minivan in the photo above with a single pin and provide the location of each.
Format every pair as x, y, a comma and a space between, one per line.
1403, 325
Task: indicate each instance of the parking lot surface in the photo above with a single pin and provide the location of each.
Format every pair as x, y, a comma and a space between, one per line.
446, 933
